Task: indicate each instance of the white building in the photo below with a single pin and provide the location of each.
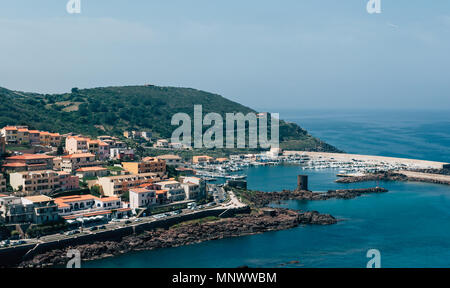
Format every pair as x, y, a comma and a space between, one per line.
142, 197
195, 180
191, 190
74, 204
171, 160
175, 191
162, 143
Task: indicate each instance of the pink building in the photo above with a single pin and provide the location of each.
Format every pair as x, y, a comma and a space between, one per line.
68, 181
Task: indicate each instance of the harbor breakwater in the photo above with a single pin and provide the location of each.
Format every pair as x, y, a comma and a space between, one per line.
182, 234
399, 176
261, 199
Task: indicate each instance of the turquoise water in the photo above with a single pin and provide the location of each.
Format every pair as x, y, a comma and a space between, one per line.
410, 225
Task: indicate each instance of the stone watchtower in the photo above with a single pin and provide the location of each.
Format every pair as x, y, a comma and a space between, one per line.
302, 182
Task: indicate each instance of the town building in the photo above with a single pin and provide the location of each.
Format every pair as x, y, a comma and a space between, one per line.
162, 143
79, 145
68, 181
174, 190
13, 211
45, 209
76, 204
2, 183
161, 196
195, 180
222, 160
71, 163
191, 190
147, 135
10, 134
35, 182
171, 160
35, 137
22, 135
90, 172
142, 198
2, 146
117, 185
186, 171
50, 139
204, 159
29, 162
147, 165
76, 144
121, 154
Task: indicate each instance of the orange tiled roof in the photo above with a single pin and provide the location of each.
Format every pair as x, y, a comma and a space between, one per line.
62, 205
74, 198
79, 138
90, 169
39, 198
108, 199
80, 155
139, 190
147, 184
15, 165
29, 157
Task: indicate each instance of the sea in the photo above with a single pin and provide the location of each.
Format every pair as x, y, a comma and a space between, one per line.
409, 225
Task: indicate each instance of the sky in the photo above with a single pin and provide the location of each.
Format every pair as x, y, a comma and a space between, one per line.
266, 54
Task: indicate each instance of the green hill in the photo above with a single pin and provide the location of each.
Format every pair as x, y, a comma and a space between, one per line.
112, 110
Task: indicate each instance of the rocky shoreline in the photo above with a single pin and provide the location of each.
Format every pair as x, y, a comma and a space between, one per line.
186, 234
392, 176
261, 199
381, 176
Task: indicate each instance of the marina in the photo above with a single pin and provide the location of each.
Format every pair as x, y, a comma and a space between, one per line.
348, 165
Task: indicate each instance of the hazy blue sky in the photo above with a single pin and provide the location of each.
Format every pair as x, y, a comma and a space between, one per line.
265, 54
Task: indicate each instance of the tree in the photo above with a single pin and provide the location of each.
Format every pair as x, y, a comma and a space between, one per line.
75, 90
96, 190
60, 150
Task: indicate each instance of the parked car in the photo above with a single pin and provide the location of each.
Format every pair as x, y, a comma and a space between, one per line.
95, 228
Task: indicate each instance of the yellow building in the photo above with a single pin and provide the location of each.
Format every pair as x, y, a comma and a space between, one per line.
72, 162
147, 165
202, 159
117, 185
22, 135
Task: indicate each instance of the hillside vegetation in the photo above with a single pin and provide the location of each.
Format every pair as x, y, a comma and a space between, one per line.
112, 110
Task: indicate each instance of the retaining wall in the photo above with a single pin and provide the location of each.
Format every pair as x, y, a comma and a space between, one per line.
12, 256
